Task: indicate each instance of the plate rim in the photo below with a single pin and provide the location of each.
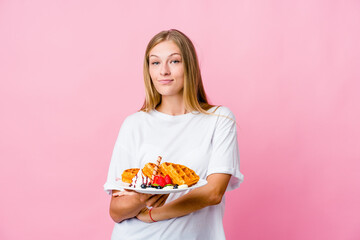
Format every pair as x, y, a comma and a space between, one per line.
201, 182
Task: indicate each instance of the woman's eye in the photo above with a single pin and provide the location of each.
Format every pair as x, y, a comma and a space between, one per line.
175, 61
155, 63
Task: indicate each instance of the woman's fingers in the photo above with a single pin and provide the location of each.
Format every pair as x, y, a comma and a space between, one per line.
151, 201
162, 200
124, 193
145, 209
144, 197
157, 200
144, 216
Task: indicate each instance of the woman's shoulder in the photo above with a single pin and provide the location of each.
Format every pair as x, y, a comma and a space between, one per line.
220, 110
136, 115
134, 118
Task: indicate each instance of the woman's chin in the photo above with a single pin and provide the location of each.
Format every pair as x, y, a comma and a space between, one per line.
170, 93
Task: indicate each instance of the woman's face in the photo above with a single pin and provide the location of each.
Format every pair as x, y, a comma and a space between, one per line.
166, 68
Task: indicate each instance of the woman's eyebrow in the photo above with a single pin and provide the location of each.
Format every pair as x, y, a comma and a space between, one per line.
153, 55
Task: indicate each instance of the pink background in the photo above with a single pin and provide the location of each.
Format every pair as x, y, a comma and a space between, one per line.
70, 71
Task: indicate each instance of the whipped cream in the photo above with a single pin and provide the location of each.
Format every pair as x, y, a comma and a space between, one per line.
183, 186
139, 179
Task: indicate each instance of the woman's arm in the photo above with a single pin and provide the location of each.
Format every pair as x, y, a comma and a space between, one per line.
128, 205
210, 194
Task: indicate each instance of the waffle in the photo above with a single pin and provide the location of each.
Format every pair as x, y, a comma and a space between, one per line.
179, 174
129, 174
149, 168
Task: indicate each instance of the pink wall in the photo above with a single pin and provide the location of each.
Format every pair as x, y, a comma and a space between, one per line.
70, 71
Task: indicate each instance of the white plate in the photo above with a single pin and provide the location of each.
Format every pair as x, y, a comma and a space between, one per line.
123, 185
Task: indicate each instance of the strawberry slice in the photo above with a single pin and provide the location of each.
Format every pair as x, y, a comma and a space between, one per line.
168, 179
161, 181
156, 178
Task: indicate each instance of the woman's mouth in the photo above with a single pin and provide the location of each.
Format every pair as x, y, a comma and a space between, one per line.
166, 81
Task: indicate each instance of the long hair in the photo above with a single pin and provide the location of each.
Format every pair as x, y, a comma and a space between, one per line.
194, 93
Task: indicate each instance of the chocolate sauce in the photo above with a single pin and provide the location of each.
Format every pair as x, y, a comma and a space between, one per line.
136, 177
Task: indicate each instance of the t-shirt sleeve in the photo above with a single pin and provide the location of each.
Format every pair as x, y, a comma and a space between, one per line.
225, 152
117, 166
121, 158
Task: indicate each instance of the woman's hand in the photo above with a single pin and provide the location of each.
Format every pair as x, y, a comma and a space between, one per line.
128, 204
155, 201
208, 195
143, 198
144, 216
149, 200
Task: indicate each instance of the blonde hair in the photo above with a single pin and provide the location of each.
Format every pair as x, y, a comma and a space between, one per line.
194, 93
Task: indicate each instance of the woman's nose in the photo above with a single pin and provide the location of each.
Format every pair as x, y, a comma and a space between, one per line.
165, 70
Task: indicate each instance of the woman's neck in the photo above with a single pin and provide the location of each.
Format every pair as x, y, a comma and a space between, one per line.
172, 105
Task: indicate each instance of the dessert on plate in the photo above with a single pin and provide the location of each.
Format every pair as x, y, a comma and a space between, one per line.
160, 176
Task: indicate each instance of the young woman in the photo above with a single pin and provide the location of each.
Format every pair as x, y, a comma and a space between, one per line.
177, 123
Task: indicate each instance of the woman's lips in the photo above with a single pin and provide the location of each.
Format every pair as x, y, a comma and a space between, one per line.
165, 81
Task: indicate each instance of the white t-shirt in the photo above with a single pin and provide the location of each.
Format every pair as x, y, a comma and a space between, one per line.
205, 143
